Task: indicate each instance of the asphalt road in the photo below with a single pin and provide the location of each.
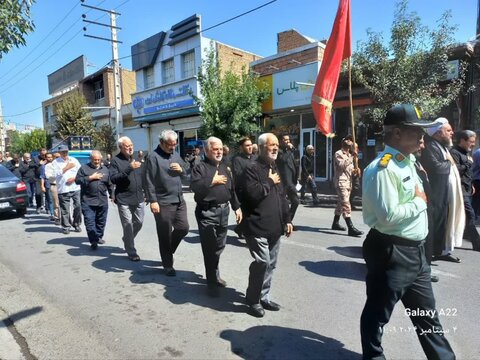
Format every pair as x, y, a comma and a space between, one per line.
61, 300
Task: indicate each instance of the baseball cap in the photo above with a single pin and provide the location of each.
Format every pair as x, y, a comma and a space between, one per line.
406, 115
62, 148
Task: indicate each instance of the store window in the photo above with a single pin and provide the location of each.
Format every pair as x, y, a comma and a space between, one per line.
285, 125
148, 77
99, 92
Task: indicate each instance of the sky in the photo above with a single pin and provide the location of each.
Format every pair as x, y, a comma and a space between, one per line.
58, 37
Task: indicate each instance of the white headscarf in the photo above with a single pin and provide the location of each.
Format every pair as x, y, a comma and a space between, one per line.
439, 124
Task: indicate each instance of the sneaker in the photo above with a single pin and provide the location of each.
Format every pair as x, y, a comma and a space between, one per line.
101, 241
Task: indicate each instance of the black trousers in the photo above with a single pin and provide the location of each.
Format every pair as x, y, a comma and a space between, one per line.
212, 226
399, 272
293, 197
471, 232
172, 226
95, 219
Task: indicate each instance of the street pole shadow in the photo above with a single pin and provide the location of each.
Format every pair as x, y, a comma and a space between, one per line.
188, 287
11, 319
337, 269
276, 342
354, 252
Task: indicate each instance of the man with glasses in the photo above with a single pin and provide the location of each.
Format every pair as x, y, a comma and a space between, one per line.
164, 169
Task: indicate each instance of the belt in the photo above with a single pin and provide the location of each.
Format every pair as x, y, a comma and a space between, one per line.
396, 240
211, 204
53, 184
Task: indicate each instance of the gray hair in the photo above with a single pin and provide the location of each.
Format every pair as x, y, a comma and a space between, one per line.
212, 140
262, 139
309, 147
167, 134
95, 152
122, 140
465, 135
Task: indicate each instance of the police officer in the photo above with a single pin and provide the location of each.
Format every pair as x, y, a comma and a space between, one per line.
213, 187
395, 208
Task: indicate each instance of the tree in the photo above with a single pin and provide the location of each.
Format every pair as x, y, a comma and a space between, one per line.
15, 23
230, 102
411, 68
73, 118
28, 142
104, 139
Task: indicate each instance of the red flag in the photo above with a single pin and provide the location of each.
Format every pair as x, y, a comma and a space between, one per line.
339, 47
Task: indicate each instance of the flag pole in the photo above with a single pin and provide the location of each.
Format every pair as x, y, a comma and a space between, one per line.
352, 119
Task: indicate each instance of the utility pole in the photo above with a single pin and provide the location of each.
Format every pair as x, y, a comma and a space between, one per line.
116, 66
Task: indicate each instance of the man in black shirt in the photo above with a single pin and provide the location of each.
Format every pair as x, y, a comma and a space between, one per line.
94, 181
213, 187
308, 177
127, 175
163, 190
461, 154
266, 218
288, 173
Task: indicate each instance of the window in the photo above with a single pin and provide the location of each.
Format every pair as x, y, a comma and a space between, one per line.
99, 93
49, 113
188, 64
168, 71
148, 77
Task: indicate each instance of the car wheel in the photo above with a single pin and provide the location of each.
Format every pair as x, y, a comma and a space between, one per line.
21, 212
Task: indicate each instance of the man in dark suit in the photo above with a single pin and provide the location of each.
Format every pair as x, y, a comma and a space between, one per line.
288, 173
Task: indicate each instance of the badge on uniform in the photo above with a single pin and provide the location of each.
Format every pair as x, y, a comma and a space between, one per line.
399, 157
385, 160
406, 179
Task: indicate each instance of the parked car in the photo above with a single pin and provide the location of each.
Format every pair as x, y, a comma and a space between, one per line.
13, 192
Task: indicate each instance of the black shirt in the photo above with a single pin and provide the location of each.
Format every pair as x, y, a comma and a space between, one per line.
94, 192
287, 167
163, 185
128, 181
464, 166
205, 193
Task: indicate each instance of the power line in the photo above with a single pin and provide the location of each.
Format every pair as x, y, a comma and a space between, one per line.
26, 112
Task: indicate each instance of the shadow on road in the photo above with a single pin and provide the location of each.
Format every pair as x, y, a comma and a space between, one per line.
337, 269
231, 240
276, 342
190, 287
21, 315
52, 229
354, 252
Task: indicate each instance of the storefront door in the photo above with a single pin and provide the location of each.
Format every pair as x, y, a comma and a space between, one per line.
322, 146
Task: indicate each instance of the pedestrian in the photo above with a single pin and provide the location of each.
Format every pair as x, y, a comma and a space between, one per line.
53, 192
96, 188
476, 182
266, 218
344, 168
126, 174
227, 157
447, 204
27, 172
14, 166
39, 161
307, 176
213, 186
2, 160
239, 163
65, 169
108, 160
395, 208
164, 170
195, 157
7, 156
46, 187
461, 154
288, 172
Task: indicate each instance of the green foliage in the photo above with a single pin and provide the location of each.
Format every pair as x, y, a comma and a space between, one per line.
15, 23
230, 102
411, 68
104, 139
73, 118
27, 142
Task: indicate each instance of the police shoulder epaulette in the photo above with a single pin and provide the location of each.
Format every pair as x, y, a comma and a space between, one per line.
399, 157
385, 160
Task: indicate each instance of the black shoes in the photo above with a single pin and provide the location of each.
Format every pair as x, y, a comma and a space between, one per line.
448, 257
256, 310
434, 278
78, 229
94, 246
137, 258
270, 305
337, 226
353, 231
66, 231
170, 271
219, 283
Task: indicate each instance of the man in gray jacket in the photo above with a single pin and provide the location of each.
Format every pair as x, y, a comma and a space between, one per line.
163, 190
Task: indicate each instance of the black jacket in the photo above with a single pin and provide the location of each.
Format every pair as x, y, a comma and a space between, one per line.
128, 181
239, 163
287, 168
307, 167
12, 166
163, 185
264, 205
28, 170
205, 193
464, 166
94, 192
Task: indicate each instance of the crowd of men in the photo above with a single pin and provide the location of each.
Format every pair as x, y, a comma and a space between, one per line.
409, 227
